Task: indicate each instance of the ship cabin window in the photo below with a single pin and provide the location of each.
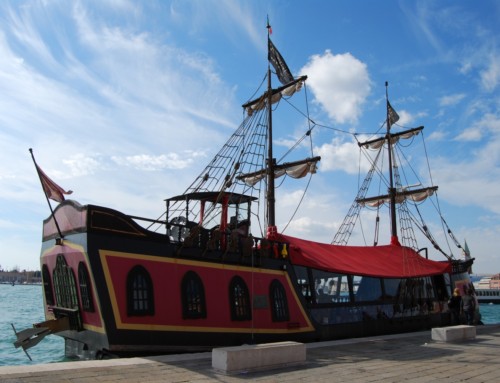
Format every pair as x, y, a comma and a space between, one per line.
303, 281
193, 297
383, 289
85, 288
47, 286
369, 289
279, 304
64, 284
331, 288
140, 294
401, 296
239, 300
341, 298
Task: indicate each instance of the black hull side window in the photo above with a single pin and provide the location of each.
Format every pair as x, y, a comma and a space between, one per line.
85, 288
279, 304
47, 286
140, 294
193, 297
239, 300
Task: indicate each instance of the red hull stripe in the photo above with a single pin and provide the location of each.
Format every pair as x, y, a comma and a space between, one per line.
167, 274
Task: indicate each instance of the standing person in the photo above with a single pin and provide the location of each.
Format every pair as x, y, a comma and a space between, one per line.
477, 313
454, 304
468, 307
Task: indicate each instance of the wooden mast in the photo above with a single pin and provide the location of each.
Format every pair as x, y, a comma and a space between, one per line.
271, 217
392, 189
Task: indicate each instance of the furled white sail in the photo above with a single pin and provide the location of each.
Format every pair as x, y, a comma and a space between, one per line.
415, 196
379, 142
294, 171
286, 91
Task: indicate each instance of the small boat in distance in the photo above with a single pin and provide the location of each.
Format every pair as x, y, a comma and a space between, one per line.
215, 270
488, 289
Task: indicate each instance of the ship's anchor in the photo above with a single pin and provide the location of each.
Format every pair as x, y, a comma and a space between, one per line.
29, 337
32, 336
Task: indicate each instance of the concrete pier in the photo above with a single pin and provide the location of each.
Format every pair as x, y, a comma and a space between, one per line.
409, 358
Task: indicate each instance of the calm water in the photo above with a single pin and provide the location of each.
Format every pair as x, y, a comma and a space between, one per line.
22, 305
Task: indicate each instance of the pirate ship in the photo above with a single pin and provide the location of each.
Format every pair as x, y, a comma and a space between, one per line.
215, 270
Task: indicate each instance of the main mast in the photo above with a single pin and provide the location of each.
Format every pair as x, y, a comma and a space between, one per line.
271, 213
392, 189
290, 85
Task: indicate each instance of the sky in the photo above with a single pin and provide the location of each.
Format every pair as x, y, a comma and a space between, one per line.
124, 102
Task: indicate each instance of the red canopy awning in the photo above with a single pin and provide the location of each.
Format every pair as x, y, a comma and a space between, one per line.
389, 261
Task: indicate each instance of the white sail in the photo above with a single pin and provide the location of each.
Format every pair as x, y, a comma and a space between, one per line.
379, 142
286, 91
293, 170
415, 196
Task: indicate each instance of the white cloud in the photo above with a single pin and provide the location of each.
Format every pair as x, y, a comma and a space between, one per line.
489, 125
155, 163
437, 135
490, 77
340, 84
451, 99
317, 217
343, 156
471, 134
81, 165
406, 118
475, 178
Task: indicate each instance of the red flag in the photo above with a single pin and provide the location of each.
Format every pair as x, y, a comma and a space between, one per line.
51, 189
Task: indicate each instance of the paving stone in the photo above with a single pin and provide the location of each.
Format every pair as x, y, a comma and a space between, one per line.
409, 358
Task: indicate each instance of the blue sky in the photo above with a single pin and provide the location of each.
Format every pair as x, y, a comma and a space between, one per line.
124, 102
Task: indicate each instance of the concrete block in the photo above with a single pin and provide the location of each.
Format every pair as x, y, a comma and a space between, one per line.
258, 357
454, 333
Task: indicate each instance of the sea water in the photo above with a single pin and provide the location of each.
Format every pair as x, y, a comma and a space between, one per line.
22, 305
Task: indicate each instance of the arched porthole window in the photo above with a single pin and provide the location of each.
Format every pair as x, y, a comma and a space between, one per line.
193, 297
279, 304
239, 300
64, 284
47, 286
85, 288
140, 294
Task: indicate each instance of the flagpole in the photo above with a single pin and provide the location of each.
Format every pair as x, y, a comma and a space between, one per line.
44, 192
392, 190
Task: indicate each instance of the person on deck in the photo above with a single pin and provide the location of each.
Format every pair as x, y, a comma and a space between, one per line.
468, 307
454, 304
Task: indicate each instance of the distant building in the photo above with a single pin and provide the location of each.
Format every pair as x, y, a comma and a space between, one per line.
23, 277
495, 282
